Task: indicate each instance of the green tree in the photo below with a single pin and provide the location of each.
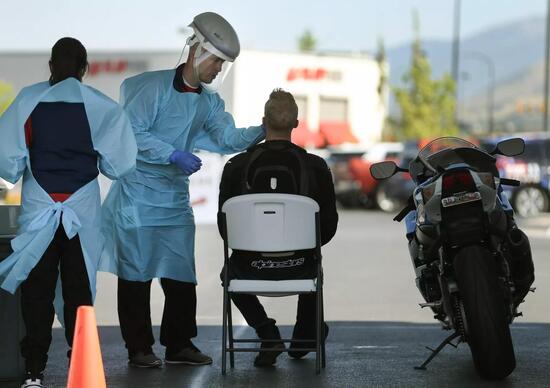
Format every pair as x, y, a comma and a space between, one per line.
307, 42
6, 96
427, 105
382, 67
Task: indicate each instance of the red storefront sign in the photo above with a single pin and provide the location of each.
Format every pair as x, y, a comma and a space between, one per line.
116, 66
306, 74
312, 74
108, 66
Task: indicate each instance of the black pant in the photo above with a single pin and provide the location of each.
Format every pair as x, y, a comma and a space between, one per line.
38, 293
178, 319
255, 315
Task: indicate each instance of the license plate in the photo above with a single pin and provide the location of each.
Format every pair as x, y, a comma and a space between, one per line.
460, 199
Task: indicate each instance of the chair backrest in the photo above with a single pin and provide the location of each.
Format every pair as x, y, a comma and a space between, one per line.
271, 222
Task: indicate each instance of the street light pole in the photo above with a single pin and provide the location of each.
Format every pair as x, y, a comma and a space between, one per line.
546, 69
456, 52
456, 41
490, 86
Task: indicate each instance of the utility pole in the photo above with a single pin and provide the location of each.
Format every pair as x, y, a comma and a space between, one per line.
490, 85
456, 51
546, 69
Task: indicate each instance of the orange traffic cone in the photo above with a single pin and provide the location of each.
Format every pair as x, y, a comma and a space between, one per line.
86, 370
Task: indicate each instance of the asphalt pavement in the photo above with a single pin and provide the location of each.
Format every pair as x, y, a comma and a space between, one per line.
359, 354
368, 276
378, 332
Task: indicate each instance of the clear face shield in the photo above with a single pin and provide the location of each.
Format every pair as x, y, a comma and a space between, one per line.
210, 66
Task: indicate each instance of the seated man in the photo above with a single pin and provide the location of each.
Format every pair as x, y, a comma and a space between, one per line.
278, 166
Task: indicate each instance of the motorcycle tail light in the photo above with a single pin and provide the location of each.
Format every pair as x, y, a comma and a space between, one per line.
458, 181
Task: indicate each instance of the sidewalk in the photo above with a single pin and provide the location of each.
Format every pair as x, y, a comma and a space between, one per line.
359, 354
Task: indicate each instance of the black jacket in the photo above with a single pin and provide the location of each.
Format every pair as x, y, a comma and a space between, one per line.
279, 152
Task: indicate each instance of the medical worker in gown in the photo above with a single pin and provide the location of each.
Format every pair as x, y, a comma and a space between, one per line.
148, 221
58, 135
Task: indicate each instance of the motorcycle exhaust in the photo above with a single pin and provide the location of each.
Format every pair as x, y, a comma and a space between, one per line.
522, 267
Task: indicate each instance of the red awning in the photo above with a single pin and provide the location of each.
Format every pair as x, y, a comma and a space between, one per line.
303, 137
337, 132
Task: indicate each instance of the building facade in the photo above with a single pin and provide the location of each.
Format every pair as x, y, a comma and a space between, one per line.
339, 97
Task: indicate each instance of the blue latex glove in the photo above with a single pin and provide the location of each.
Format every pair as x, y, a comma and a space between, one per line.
186, 161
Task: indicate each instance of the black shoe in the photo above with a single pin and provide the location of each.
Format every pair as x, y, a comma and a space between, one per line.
301, 333
144, 359
33, 380
269, 331
190, 355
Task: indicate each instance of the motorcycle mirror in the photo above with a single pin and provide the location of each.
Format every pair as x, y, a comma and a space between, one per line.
383, 170
510, 147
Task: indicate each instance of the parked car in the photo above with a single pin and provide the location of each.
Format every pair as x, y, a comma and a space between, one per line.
392, 194
532, 169
347, 189
358, 168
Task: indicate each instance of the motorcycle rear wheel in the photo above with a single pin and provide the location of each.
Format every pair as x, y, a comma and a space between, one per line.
488, 331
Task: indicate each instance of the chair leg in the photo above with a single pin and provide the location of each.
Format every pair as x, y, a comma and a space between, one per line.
323, 352
230, 332
318, 336
224, 333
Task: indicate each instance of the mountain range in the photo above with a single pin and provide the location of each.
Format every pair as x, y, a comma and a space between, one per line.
515, 52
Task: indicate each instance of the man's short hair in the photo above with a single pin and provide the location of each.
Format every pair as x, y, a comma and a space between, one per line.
281, 111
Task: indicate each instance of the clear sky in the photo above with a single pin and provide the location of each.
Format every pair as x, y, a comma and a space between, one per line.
263, 25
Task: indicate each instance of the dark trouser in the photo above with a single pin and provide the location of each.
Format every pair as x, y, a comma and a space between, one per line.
178, 319
255, 315
38, 293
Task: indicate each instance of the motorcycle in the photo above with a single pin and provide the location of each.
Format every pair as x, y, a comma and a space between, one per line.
473, 265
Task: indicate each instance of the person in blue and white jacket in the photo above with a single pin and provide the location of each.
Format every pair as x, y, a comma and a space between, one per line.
58, 135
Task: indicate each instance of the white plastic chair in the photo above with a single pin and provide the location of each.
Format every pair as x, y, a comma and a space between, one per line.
268, 223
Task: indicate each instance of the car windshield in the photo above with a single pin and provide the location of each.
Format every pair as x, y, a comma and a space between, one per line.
444, 152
